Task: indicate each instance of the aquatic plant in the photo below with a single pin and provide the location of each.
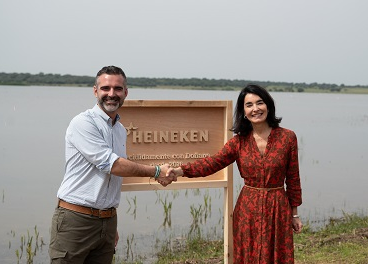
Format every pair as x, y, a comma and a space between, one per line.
27, 247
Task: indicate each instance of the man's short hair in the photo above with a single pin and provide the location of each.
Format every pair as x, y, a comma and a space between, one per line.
111, 70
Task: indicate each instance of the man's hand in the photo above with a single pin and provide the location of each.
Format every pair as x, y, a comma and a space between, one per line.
116, 238
174, 172
164, 178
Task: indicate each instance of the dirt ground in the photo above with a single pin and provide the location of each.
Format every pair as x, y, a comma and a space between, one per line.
208, 261
360, 236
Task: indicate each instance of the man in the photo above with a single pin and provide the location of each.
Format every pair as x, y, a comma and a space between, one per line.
84, 224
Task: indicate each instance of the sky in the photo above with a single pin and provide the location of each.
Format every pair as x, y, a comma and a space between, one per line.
323, 41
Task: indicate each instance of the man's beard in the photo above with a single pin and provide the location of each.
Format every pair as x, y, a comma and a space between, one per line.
110, 104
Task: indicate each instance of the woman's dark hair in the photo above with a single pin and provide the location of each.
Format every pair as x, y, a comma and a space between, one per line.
243, 126
111, 70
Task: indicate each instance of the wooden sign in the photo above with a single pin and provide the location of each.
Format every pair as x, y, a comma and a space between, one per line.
177, 132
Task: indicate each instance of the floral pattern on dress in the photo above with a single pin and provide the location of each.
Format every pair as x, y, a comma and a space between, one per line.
262, 217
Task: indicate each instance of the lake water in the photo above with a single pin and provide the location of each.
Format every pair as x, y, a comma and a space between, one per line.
332, 131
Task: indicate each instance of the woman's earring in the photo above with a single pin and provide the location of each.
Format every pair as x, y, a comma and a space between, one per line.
245, 117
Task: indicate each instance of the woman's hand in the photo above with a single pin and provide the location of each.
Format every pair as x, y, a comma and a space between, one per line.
297, 225
174, 172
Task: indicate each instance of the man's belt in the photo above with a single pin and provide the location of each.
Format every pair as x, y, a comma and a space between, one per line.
107, 213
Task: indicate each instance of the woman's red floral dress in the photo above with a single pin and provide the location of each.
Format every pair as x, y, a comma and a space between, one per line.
262, 220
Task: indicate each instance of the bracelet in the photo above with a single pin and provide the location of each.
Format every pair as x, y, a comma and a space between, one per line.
157, 172
296, 216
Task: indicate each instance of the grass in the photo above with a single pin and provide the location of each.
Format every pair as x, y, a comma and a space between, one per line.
342, 240
194, 250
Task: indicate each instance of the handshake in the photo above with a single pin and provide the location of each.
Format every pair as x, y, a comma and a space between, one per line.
168, 175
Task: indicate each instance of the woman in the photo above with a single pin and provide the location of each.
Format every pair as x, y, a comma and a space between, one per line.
265, 214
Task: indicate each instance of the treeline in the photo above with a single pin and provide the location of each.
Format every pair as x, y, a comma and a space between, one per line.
44, 79
189, 83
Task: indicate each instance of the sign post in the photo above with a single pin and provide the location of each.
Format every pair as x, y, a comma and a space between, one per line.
177, 132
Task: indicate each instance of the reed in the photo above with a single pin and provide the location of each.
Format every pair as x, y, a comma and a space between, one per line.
129, 250
167, 206
207, 205
132, 207
29, 246
196, 213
